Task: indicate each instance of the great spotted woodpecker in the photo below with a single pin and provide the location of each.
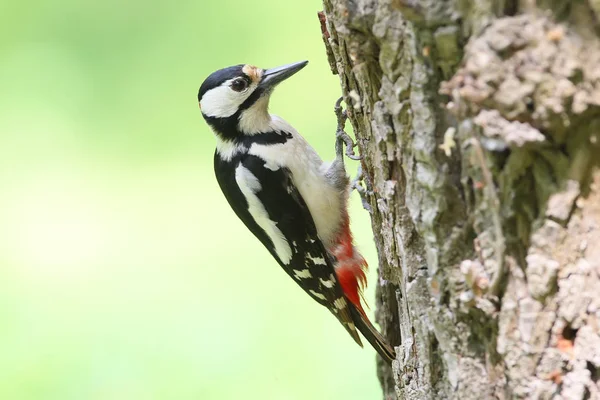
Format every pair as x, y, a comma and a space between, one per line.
291, 200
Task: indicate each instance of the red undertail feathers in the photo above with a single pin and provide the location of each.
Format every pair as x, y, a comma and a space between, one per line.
350, 270
351, 266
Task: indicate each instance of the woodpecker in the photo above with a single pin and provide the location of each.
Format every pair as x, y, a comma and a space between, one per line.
291, 200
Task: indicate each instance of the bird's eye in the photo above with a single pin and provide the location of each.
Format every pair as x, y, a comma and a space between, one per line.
239, 85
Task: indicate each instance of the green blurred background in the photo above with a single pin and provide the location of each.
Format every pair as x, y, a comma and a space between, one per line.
124, 273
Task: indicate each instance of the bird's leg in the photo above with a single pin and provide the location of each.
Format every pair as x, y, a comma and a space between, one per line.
341, 136
336, 172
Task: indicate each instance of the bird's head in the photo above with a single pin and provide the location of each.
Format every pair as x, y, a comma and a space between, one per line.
235, 100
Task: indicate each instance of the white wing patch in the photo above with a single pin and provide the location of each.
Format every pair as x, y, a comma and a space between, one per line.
340, 303
317, 260
249, 186
303, 274
328, 283
317, 295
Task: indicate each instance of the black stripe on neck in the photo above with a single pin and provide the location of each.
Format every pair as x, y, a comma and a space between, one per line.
226, 128
265, 139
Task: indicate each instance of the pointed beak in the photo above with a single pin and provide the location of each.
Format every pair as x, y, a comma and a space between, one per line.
272, 76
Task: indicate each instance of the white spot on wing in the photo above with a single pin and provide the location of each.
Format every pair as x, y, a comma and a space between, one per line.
249, 186
327, 283
340, 303
317, 260
302, 274
317, 295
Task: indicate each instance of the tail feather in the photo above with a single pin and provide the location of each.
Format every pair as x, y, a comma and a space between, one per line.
365, 327
350, 273
350, 270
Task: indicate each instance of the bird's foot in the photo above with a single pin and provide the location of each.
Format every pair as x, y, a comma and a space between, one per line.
342, 138
363, 191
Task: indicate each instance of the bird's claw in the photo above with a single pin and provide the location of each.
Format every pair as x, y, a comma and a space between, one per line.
342, 138
363, 191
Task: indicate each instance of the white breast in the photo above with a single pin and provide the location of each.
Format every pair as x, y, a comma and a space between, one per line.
324, 201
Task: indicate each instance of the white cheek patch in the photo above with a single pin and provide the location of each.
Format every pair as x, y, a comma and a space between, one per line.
222, 101
249, 186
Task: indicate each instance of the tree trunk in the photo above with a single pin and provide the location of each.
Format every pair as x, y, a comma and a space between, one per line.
479, 126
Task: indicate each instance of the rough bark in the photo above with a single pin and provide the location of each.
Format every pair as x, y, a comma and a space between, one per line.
479, 126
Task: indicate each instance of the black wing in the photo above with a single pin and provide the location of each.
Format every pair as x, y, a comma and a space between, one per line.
269, 203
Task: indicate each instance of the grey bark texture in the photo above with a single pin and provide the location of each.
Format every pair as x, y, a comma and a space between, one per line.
479, 126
